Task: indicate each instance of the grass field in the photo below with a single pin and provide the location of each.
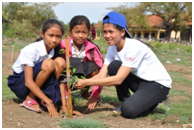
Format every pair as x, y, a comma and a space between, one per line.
180, 95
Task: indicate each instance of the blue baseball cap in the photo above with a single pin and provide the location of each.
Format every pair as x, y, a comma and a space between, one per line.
118, 19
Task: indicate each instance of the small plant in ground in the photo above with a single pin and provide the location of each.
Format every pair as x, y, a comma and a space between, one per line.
73, 77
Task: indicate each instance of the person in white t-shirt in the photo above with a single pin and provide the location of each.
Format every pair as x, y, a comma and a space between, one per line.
130, 64
36, 72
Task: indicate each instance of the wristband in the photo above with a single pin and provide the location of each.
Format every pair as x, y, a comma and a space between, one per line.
48, 105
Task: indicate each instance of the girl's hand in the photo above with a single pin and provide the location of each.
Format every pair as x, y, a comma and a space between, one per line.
52, 111
92, 101
65, 109
80, 84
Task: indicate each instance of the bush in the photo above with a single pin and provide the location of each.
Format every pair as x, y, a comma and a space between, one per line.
20, 30
171, 46
158, 45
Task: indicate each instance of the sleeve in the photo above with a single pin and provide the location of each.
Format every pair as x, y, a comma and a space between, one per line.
134, 56
27, 57
98, 57
62, 46
96, 90
109, 57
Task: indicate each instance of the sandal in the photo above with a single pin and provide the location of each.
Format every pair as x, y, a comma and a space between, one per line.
29, 103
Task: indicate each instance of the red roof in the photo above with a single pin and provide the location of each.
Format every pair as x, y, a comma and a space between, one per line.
154, 20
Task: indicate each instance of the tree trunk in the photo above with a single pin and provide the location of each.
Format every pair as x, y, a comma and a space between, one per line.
168, 32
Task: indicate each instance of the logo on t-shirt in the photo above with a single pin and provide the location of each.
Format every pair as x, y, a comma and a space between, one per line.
134, 71
130, 58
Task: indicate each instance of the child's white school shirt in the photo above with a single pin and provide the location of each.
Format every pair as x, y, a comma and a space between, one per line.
141, 59
78, 53
30, 55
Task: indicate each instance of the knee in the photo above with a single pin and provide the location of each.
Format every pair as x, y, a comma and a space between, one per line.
114, 67
48, 65
60, 63
128, 112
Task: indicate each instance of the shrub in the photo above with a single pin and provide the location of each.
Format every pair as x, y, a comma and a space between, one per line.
158, 45
22, 30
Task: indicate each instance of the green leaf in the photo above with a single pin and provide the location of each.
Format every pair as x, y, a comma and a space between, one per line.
61, 51
70, 83
75, 78
83, 77
74, 69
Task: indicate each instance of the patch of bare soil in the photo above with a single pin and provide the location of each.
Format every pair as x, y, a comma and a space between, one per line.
15, 116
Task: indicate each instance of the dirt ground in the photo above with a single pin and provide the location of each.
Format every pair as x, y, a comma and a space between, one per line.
14, 116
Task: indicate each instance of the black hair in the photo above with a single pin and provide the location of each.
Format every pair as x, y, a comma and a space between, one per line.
48, 24
78, 20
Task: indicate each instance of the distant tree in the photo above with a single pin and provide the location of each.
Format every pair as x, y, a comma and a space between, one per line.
27, 17
66, 27
35, 13
133, 13
173, 14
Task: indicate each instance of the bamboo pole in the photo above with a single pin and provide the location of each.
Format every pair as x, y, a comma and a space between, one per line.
68, 77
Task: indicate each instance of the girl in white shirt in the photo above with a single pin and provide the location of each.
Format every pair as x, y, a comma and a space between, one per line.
35, 75
130, 64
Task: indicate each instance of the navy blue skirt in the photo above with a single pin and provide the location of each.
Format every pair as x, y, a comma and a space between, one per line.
50, 88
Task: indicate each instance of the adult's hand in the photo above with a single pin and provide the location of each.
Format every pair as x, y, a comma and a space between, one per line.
81, 83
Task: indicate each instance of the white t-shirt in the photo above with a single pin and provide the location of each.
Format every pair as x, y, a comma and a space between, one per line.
31, 55
141, 59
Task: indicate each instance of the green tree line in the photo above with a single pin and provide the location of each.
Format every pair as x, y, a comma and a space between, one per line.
26, 18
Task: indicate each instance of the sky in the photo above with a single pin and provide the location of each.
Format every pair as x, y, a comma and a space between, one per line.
94, 11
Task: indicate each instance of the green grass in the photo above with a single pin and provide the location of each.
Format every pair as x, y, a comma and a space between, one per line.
81, 123
7, 94
110, 98
17, 46
178, 77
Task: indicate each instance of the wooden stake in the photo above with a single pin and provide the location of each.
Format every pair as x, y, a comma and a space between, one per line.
12, 53
68, 76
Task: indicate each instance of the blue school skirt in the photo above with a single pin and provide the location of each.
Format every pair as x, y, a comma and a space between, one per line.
50, 88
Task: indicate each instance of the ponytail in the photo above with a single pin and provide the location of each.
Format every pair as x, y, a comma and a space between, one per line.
39, 39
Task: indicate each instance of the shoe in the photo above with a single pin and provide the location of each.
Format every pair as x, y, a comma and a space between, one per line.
167, 103
29, 103
117, 109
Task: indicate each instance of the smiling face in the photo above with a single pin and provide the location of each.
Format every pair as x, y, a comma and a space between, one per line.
79, 34
112, 35
52, 37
